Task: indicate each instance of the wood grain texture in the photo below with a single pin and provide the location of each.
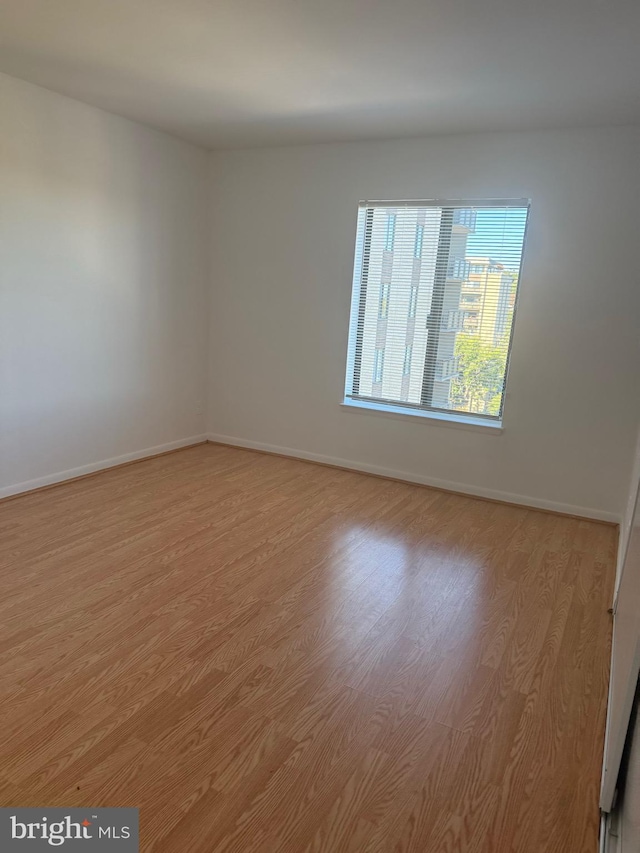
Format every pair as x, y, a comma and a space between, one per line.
267, 655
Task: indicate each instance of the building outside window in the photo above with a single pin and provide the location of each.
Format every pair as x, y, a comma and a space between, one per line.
413, 301
406, 367
383, 308
417, 249
391, 232
378, 365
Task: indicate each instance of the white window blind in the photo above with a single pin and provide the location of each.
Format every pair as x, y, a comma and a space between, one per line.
434, 296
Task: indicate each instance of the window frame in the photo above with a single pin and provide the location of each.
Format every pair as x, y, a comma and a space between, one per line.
352, 398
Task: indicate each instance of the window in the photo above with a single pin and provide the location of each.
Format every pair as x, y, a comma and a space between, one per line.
406, 367
458, 268
391, 232
451, 369
465, 217
417, 249
383, 307
413, 300
378, 365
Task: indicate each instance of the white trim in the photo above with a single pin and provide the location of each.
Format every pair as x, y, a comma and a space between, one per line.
627, 518
447, 485
608, 840
356, 288
614, 741
103, 464
446, 202
440, 418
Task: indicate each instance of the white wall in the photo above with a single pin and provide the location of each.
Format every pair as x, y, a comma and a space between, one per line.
103, 286
103, 278
282, 246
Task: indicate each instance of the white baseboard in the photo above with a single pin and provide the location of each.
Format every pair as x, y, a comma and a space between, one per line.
92, 467
464, 488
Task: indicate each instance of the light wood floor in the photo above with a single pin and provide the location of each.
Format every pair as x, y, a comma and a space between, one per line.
267, 655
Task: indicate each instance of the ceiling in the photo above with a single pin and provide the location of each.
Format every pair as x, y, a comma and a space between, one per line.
226, 73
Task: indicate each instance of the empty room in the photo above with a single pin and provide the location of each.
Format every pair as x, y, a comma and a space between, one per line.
319, 417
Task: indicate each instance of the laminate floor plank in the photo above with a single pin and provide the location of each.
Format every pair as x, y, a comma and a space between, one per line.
267, 655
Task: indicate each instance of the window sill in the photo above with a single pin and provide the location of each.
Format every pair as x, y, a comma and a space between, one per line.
449, 420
